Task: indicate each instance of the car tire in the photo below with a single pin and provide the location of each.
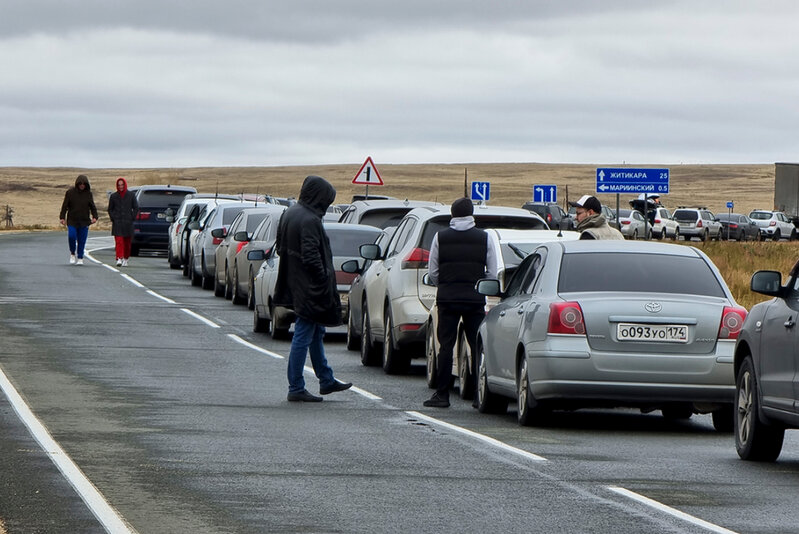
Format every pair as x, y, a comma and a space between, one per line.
353, 340
277, 333
368, 352
431, 372
649, 235
777, 236
724, 419
170, 258
394, 361
465, 378
229, 289
235, 296
676, 236
259, 324
529, 412
792, 236
207, 281
635, 235
680, 411
194, 278
251, 291
219, 289
487, 402
754, 439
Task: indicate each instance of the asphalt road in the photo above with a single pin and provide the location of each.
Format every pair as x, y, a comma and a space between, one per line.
175, 413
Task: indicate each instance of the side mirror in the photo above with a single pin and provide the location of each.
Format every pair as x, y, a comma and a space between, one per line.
193, 225
767, 283
169, 218
369, 251
241, 236
218, 233
170, 212
488, 287
427, 281
351, 266
256, 255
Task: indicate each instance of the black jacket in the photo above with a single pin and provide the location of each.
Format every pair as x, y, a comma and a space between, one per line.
306, 279
78, 207
122, 210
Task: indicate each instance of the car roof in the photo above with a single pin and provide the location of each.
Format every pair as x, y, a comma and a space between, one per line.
165, 187
349, 227
507, 235
391, 203
426, 212
613, 245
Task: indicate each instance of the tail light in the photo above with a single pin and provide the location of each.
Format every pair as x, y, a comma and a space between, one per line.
216, 240
343, 278
658, 221
732, 321
699, 223
566, 318
773, 223
733, 225
416, 259
142, 215
626, 221
549, 217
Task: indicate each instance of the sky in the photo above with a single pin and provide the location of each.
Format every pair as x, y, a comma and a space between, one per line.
188, 83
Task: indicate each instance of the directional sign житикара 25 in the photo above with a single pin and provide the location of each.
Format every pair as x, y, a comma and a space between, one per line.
625, 180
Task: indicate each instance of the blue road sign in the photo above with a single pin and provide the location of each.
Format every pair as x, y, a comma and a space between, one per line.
632, 180
481, 191
545, 193
730, 204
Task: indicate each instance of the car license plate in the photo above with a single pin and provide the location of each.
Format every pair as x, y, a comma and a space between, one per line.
666, 333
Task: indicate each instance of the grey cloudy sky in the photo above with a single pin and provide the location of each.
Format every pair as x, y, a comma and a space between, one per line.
153, 83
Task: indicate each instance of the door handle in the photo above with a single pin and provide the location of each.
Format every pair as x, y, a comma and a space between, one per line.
502, 313
520, 311
789, 323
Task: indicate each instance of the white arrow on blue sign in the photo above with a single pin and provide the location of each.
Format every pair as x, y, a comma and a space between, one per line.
481, 191
545, 193
625, 180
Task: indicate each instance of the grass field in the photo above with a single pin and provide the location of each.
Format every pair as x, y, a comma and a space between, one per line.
35, 194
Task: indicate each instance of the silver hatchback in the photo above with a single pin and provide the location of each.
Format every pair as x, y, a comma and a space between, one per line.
611, 323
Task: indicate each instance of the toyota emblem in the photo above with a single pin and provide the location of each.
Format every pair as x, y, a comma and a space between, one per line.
653, 307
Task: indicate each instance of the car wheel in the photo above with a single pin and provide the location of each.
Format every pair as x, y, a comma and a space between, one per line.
465, 378
793, 236
229, 288
259, 324
677, 411
353, 340
394, 361
368, 352
649, 235
251, 291
487, 402
676, 236
528, 411
777, 236
171, 259
724, 419
277, 333
207, 281
194, 278
754, 440
635, 235
219, 289
235, 296
432, 357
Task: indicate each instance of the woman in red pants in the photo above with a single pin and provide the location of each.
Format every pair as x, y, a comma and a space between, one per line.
122, 208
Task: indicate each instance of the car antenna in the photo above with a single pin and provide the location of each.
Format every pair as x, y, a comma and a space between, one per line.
216, 195
256, 197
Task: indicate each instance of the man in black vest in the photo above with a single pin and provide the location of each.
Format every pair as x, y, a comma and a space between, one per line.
459, 257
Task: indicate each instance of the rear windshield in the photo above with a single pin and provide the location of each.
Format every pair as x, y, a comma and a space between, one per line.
161, 199
383, 218
685, 215
482, 221
760, 215
539, 209
348, 243
629, 272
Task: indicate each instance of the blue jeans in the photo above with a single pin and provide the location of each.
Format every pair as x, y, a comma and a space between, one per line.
77, 236
308, 338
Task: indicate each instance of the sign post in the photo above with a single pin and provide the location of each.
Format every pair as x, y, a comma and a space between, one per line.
730, 206
368, 175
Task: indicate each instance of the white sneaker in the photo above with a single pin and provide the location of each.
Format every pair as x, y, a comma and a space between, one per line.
72, 259
125, 262
119, 262
80, 261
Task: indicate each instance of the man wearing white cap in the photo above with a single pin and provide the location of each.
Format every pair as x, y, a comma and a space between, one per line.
590, 222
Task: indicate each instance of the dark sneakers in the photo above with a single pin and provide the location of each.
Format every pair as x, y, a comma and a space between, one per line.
437, 401
303, 396
337, 386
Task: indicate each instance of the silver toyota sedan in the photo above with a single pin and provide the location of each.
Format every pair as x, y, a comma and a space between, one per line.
610, 324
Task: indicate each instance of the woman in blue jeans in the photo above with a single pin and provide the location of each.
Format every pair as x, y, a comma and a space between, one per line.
77, 213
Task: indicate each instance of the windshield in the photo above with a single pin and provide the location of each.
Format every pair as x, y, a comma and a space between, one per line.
161, 199
760, 215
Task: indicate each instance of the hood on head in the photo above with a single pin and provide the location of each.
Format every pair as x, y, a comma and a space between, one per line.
317, 194
83, 179
124, 185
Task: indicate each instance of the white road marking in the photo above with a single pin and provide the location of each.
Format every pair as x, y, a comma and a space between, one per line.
101, 509
669, 510
156, 295
485, 439
132, 280
247, 344
112, 269
200, 317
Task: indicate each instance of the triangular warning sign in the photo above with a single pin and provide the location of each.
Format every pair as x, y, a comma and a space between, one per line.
368, 174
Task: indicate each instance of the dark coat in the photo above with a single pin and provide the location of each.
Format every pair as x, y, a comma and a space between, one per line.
78, 207
306, 279
122, 210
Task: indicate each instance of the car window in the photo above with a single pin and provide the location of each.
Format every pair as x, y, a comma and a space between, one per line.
534, 274
401, 236
263, 229
514, 253
760, 215
253, 221
686, 215
345, 242
644, 273
209, 216
161, 198
230, 214
348, 215
516, 282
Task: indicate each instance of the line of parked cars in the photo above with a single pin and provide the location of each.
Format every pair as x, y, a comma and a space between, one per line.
570, 324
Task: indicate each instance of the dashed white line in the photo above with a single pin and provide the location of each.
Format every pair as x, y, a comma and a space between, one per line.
200, 317
669, 510
156, 295
101, 509
247, 344
132, 280
480, 437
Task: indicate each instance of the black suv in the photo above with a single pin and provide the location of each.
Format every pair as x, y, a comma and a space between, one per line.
151, 227
552, 213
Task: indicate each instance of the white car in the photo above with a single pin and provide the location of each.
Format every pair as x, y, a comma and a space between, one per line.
189, 210
511, 247
774, 224
665, 226
633, 225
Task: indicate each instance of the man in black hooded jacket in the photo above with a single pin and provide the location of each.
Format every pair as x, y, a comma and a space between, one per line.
306, 283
